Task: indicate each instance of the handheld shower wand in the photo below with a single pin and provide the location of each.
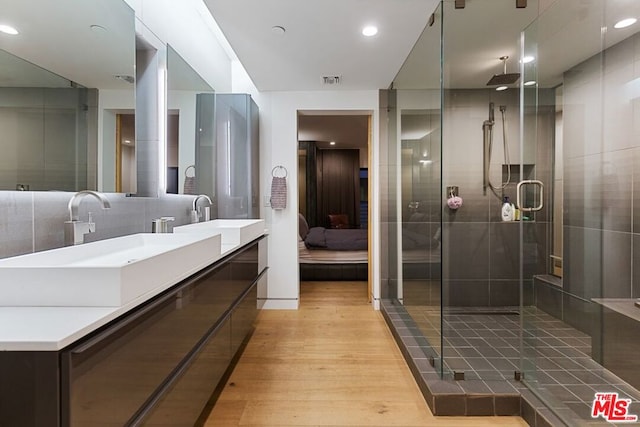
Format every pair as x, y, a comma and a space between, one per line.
487, 131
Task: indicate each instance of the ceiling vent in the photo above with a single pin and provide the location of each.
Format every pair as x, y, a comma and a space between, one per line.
125, 78
331, 80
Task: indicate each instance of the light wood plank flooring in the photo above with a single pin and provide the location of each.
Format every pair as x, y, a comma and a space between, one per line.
333, 362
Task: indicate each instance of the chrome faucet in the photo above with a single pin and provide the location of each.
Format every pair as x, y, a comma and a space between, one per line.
161, 225
196, 215
74, 229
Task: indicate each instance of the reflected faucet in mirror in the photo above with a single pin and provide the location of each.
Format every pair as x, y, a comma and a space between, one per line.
161, 225
197, 214
74, 229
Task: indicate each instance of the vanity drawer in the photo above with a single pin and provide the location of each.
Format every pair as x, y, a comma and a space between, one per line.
122, 370
111, 375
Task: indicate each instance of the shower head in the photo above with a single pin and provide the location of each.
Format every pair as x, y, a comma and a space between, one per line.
504, 78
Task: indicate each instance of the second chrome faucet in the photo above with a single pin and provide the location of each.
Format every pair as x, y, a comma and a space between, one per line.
197, 214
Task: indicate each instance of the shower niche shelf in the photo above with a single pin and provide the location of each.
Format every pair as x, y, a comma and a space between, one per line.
528, 172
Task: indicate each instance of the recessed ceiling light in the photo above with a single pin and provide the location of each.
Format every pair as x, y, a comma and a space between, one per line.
127, 141
370, 30
527, 59
278, 30
625, 23
332, 143
8, 29
530, 83
501, 88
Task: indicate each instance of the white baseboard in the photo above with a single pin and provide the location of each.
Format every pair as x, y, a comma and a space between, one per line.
278, 304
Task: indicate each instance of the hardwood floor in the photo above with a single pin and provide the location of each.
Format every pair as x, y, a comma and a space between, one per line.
333, 362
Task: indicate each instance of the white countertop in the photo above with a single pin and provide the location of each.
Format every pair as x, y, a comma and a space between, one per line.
49, 328
53, 328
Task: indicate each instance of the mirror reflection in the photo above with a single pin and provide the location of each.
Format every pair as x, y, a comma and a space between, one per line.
59, 107
45, 121
184, 85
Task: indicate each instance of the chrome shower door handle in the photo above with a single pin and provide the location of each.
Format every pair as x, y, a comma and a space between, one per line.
519, 188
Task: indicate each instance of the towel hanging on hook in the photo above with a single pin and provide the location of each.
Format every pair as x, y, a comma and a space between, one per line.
279, 169
279, 188
189, 181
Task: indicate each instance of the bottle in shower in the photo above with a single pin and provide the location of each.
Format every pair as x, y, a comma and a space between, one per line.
507, 213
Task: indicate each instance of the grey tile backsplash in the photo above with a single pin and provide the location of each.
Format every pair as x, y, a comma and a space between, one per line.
34, 221
16, 223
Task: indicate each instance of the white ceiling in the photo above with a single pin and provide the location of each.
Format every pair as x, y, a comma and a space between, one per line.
16, 72
347, 131
321, 38
71, 48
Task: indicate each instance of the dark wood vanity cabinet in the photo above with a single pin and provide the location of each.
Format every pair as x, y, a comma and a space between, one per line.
156, 365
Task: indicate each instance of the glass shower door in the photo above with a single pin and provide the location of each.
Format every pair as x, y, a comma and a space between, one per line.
412, 214
548, 344
530, 335
580, 117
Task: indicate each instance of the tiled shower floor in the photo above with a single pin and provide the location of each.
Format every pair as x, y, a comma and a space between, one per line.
486, 347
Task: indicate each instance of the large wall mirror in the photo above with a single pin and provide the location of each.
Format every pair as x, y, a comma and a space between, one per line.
66, 133
187, 122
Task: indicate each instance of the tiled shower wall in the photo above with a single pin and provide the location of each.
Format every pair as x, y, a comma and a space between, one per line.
44, 137
33, 221
601, 115
601, 222
480, 253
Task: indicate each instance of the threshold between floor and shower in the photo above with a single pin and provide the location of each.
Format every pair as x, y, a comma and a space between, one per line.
564, 367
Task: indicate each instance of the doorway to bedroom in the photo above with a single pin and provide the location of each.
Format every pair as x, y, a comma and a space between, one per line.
333, 194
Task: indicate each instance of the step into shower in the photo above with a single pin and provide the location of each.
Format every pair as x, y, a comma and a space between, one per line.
484, 345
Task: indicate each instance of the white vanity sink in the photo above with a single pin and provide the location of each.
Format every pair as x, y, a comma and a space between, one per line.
234, 231
107, 273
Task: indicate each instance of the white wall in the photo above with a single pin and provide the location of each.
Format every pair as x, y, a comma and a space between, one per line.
241, 81
190, 29
279, 146
278, 130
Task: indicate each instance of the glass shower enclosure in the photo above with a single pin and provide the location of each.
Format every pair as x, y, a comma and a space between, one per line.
412, 218
584, 100
539, 305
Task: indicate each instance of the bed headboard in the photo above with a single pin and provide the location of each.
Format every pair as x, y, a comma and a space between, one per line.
338, 221
303, 226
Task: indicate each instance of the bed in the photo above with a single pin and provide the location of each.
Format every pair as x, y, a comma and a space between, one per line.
421, 248
332, 254
421, 252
